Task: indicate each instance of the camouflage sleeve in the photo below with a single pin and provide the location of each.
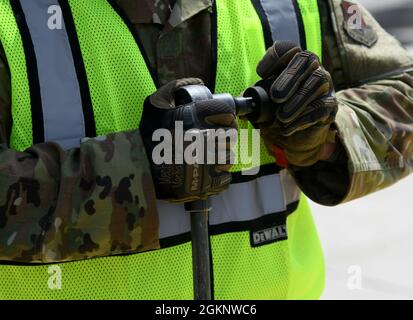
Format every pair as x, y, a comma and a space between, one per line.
374, 83
55, 205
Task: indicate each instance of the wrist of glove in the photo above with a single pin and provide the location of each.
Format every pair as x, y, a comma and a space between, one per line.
304, 103
177, 180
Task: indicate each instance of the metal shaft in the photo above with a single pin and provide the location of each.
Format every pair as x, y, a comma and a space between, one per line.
201, 262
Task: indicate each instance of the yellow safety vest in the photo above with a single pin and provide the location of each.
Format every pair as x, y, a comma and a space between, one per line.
263, 240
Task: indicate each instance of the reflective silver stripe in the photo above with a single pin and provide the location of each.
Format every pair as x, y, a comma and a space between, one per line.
60, 93
291, 191
282, 18
242, 202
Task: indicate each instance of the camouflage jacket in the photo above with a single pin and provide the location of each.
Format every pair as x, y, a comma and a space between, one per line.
49, 197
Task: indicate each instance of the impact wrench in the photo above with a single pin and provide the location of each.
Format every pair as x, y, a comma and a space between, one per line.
254, 105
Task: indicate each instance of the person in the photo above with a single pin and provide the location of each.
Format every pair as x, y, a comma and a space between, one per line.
85, 213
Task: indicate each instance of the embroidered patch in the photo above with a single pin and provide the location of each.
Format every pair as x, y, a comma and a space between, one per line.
355, 25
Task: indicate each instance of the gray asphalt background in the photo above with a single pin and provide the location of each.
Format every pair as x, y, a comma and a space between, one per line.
368, 244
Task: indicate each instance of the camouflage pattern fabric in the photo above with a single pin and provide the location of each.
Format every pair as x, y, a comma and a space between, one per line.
49, 197
176, 37
375, 94
63, 206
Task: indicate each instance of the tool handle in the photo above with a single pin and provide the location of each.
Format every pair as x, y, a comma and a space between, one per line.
201, 260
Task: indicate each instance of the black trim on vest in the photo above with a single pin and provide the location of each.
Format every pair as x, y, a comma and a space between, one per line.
264, 21
301, 27
88, 114
32, 73
214, 47
239, 226
135, 35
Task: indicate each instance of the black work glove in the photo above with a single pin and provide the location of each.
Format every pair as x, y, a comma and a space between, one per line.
304, 103
184, 182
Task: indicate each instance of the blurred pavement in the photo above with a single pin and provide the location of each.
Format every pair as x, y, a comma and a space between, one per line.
368, 243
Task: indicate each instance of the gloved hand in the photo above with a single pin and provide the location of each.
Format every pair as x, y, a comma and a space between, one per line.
184, 182
304, 103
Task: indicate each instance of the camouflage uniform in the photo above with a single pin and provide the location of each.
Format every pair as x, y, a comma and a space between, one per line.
56, 193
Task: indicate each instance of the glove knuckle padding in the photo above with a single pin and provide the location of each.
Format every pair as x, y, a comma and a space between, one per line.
314, 87
298, 70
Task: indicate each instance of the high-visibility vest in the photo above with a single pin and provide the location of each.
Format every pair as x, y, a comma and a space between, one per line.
90, 78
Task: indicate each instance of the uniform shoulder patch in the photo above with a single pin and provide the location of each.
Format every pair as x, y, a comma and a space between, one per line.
356, 26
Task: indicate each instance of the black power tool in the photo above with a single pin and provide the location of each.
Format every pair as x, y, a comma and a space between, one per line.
255, 105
